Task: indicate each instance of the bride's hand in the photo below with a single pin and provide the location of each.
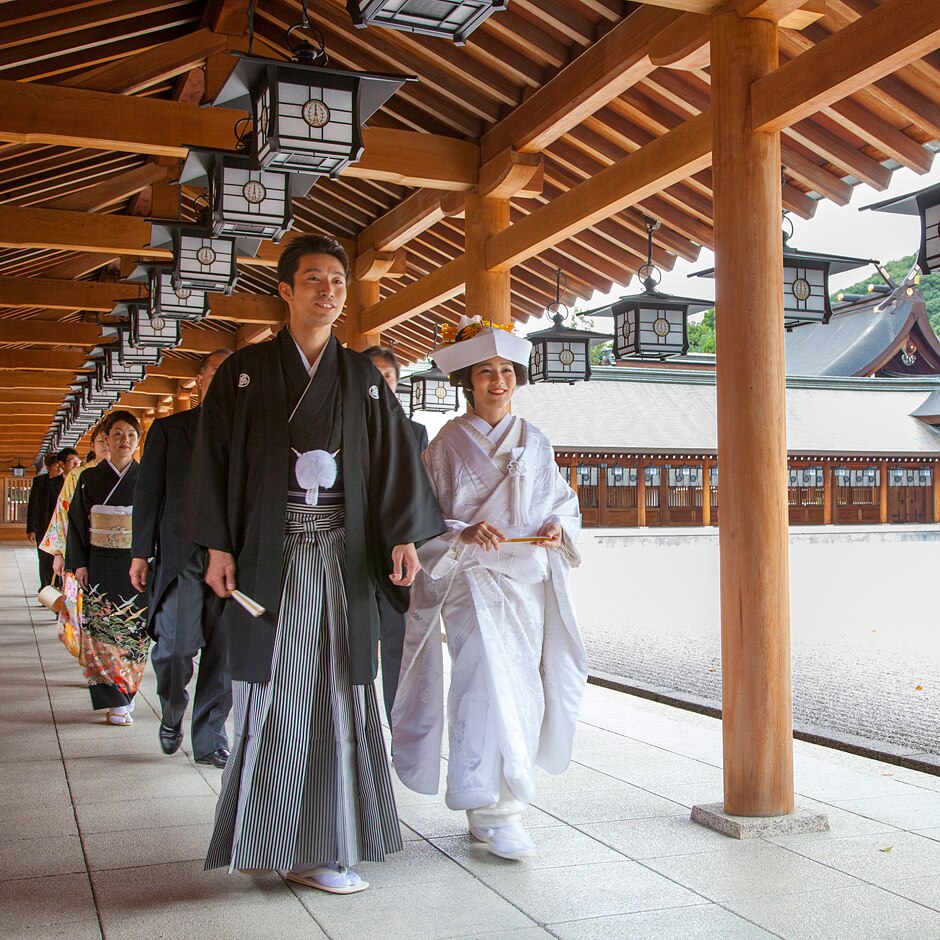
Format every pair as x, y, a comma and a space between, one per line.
482, 534
551, 532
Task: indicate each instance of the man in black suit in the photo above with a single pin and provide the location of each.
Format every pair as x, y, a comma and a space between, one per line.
39, 509
392, 622
183, 613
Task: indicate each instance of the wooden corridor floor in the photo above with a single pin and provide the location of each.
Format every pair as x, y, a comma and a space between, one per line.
101, 835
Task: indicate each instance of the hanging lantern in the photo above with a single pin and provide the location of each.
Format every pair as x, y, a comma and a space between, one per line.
201, 261
148, 329
243, 201
806, 281
926, 204
168, 300
449, 19
561, 353
403, 393
115, 372
652, 325
307, 118
431, 391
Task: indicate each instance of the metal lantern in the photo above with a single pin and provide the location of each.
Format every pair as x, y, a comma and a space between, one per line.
168, 300
243, 201
561, 353
128, 353
201, 261
307, 118
148, 329
926, 204
449, 19
652, 325
431, 391
115, 372
403, 392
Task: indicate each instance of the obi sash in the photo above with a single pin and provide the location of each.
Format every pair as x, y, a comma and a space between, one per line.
110, 526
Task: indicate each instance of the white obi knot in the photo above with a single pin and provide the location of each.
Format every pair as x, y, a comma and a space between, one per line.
314, 469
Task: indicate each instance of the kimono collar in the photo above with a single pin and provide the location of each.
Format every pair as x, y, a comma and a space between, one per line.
120, 473
492, 434
311, 369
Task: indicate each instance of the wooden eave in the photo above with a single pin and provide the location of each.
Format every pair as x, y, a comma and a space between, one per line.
532, 77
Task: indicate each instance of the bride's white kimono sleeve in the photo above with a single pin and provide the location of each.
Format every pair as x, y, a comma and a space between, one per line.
470, 486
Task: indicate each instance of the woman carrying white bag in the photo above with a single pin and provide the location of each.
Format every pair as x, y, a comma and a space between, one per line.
498, 578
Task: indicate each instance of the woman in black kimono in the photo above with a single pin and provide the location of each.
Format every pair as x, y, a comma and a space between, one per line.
114, 637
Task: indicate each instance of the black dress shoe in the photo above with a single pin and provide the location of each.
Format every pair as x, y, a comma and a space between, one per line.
217, 758
171, 738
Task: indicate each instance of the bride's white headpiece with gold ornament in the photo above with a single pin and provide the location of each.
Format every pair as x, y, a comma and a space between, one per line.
476, 340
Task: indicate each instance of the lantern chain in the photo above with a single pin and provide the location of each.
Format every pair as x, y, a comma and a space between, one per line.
649, 274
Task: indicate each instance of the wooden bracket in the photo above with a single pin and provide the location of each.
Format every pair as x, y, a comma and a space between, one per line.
373, 265
453, 205
683, 44
512, 173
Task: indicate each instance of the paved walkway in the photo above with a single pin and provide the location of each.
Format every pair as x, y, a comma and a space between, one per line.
103, 835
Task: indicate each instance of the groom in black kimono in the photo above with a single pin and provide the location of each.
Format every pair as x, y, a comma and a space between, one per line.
311, 792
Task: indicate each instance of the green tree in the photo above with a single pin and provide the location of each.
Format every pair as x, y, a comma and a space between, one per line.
702, 334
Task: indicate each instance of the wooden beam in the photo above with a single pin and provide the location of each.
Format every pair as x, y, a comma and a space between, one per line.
175, 367
49, 333
31, 359
157, 64
666, 160
34, 113
101, 296
441, 284
874, 46
229, 17
407, 158
42, 114
249, 335
76, 231
398, 226
112, 190
611, 65
62, 294
34, 396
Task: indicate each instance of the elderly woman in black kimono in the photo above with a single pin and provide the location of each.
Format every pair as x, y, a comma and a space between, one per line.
98, 550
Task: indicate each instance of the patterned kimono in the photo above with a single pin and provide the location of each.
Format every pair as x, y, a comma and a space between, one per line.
518, 664
54, 543
114, 635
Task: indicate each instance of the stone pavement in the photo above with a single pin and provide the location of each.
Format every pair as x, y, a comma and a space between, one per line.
101, 835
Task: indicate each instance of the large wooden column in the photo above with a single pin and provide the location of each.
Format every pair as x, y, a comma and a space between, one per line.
487, 292
360, 295
752, 452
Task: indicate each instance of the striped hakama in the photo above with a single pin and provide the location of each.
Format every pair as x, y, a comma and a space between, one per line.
308, 779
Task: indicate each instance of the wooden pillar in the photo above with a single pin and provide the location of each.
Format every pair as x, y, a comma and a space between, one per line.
360, 295
487, 292
752, 448
883, 492
935, 469
641, 495
146, 420
183, 399
827, 494
706, 494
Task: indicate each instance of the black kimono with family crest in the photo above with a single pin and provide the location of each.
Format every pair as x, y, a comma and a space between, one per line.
243, 466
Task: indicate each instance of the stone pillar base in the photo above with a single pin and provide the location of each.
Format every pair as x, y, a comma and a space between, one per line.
800, 820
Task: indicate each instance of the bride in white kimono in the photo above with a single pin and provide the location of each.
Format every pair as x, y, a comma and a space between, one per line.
499, 580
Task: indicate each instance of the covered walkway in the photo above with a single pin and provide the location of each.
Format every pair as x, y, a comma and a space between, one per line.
102, 835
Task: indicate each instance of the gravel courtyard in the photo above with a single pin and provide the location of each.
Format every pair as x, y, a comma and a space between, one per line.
864, 614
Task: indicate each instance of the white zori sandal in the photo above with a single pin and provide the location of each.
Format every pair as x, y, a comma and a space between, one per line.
120, 715
332, 878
